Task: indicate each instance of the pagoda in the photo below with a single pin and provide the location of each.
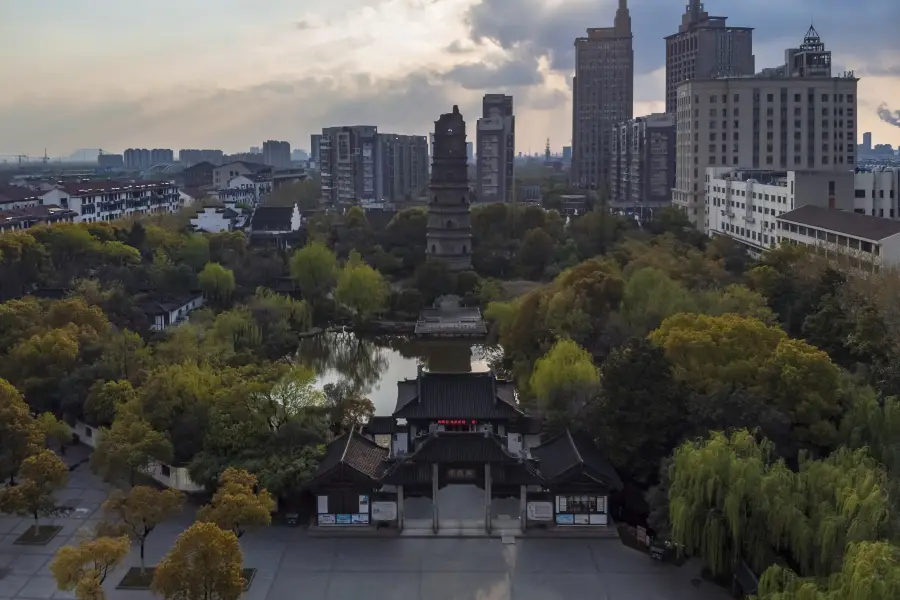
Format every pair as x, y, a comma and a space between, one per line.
449, 235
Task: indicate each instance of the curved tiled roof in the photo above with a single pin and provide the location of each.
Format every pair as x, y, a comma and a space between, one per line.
567, 452
453, 396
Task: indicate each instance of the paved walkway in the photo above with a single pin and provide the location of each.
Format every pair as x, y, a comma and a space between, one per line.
292, 566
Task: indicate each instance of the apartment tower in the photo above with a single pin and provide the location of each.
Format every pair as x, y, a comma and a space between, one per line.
792, 117
705, 48
603, 95
496, 139
643, 164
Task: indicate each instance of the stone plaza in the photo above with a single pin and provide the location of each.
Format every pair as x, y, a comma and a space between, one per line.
291, 565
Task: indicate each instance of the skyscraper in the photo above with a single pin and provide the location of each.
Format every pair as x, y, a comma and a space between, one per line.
705, 48
496, 139
277, 154
603, 95
867, 141
449, 234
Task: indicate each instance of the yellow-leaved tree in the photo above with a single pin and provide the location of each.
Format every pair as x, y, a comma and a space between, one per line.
238, 505
204, 564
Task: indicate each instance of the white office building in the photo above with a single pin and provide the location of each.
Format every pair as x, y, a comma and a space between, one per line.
744, 204
792, 117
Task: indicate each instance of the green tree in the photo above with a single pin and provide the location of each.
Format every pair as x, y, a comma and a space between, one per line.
217, 283
314, 268
139, 510
56, 430
362, 289
636, 441
194, 251
535, 253
563, 377
104, 400
347, 405
204, 564
129, 447
84, 568
42, 474
650, 296
238, 505
20, 434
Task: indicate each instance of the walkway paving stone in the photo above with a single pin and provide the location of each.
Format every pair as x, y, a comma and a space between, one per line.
293, 566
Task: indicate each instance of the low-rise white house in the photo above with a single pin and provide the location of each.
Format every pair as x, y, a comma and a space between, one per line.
247, 189
169, 313
176, 478
863, 242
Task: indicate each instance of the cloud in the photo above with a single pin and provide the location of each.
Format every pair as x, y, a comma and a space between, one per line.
302, 25
234, 119
513, 72
457, 47
889, 116
549, 29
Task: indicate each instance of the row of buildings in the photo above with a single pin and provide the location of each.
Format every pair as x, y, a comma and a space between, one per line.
86, 202
719, 112
274, 153
360, 165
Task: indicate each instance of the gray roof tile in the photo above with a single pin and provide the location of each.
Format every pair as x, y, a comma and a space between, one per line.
847, 223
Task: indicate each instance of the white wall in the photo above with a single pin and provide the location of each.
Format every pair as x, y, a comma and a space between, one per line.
211, 220
177, 477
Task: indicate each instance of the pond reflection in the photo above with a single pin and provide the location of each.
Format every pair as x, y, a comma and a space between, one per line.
375, 365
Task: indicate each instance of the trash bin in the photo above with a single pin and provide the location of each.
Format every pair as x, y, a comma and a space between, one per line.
292, 519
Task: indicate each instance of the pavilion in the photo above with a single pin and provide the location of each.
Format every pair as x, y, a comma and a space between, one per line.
462, 428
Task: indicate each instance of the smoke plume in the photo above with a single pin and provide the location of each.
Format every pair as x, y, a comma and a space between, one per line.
889, 116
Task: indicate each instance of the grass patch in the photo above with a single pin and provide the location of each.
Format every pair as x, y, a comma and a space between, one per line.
38, 535
136, 580
248, 574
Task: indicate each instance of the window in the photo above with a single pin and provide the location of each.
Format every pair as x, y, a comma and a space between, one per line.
88, 432
165, 470
581, 504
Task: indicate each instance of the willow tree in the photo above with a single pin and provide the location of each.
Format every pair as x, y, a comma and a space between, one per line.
715, 502
871, 571
728, 500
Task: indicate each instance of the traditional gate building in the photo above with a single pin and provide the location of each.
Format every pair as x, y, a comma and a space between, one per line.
461, 428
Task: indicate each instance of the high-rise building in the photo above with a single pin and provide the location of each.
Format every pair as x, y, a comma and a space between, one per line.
161, 156
255, 150
470, 153
347, 165
643, 164
603, 94
783, 118
496, 139
449, 233
567, 153
867, 142
314, 141
277, 154
188, 157
403, 166
705, 48
137, 159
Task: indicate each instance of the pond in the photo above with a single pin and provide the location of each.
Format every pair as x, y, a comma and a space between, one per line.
376, 364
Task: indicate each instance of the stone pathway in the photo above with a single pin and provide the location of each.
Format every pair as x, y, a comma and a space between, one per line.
292, 566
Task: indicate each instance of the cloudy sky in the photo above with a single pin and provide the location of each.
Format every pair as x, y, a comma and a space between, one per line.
231, 73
